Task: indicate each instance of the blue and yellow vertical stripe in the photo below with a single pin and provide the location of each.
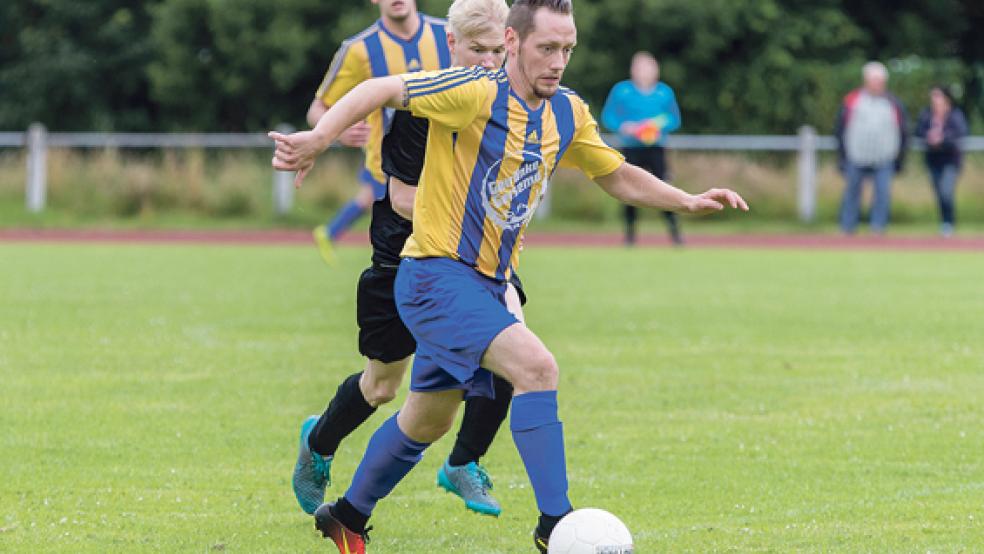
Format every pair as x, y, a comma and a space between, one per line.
376, 52
485, 173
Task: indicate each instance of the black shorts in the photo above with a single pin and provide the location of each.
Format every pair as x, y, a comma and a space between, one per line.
519, 288
650, 158
382, 334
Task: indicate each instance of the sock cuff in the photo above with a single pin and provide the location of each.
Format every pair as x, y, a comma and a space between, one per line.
533, 409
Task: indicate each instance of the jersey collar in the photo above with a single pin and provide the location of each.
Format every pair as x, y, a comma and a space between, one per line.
411, 40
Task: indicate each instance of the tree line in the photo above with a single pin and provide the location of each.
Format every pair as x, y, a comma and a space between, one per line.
738, 66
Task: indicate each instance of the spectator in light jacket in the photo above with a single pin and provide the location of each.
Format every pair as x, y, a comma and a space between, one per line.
871, 138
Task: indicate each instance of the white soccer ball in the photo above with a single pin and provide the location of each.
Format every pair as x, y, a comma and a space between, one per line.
590, 531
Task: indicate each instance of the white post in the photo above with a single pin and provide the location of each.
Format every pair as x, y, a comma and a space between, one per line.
37, 167
283, 182
807, 182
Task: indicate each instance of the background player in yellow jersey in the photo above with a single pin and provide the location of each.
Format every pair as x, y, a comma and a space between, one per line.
475, 37
400, 41
495, 138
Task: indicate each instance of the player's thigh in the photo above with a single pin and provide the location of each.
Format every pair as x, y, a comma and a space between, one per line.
427, 416
521, 357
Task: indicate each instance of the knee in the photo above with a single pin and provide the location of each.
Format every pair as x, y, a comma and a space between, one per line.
434, 430
380, 393
426, 430
379, 389
539, 371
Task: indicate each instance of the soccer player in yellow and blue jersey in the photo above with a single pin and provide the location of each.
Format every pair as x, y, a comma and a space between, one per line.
401, 41
475, 37
495, 139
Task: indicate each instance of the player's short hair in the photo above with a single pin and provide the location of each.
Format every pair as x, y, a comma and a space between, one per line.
470, 18
523, 12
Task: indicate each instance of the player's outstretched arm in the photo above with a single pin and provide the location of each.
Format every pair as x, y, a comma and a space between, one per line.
638, 187
297, 151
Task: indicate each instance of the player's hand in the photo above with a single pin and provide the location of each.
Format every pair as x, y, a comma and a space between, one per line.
715, 200
628, 128
295, 152
355, 136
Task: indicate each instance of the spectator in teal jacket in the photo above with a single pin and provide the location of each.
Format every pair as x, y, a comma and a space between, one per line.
643, 111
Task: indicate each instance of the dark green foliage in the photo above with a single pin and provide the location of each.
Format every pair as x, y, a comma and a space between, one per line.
75, 65
750, 66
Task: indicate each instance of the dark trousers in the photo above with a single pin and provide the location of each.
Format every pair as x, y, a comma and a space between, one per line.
944, 177
653, 160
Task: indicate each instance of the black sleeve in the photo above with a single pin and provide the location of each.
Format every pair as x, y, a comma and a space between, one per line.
404, 146
903, 134
960, 127
839, 135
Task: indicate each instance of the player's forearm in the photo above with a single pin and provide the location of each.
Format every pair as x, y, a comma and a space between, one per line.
315, 111
637, 187
355, 106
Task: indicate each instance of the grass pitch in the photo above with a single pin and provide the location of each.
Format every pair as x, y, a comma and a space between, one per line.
150, 398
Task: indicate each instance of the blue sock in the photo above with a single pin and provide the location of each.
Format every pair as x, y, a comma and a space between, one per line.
344, 219
389, 456
539, 437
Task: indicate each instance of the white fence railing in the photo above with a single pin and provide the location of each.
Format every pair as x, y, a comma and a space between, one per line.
37, 140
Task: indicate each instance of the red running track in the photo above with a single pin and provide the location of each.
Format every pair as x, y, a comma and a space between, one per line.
576, 239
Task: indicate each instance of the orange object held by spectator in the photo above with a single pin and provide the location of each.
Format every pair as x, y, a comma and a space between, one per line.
650, 130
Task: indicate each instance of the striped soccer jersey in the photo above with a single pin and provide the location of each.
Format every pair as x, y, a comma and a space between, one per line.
376, 52
488, 161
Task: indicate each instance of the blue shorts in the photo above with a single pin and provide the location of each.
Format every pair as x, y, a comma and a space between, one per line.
367, 180
453, 312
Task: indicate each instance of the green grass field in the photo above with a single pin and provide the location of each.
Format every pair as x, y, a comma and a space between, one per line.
739, 401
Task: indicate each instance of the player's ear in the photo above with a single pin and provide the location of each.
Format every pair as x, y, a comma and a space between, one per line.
451, 43
512, 41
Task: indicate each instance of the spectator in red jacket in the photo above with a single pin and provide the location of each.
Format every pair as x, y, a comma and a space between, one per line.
871, 138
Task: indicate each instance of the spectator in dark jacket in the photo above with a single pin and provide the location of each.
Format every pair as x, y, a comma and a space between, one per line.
942, 125
871, 138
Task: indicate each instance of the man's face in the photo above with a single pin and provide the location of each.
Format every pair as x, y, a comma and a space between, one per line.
397, 10
487, 50
544, 54
875, 83
644, 71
